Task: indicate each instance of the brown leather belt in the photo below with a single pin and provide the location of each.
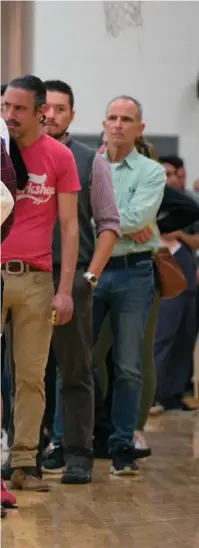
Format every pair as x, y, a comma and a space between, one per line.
18, 267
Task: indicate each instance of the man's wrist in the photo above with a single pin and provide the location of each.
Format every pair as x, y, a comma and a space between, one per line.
64, 290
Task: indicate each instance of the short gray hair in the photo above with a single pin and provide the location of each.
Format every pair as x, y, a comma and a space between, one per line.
128, 98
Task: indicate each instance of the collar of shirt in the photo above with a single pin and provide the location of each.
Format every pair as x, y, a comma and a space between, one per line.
129, 160
65, 138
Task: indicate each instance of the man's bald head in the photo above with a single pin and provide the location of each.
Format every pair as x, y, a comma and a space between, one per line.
128, 98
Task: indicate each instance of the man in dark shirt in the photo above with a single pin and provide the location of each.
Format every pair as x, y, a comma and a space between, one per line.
73, 343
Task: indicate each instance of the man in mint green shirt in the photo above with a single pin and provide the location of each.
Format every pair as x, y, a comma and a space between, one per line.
126, 287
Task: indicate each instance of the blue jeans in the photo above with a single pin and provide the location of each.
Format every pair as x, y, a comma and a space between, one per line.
57, 431
128, 293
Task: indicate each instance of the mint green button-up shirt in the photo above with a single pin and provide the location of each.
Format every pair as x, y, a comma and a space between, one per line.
139, 187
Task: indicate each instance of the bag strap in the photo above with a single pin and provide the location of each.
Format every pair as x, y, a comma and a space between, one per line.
92, 157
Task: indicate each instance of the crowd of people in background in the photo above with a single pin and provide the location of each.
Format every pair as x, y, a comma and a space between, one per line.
89, 347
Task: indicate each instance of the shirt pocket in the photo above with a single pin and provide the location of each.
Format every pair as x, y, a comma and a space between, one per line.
130, 191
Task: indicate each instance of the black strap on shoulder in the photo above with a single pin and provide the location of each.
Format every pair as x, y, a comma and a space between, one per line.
92, 157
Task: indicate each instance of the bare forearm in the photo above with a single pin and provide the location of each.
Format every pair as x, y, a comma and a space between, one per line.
103, 250
192, 240
69, 255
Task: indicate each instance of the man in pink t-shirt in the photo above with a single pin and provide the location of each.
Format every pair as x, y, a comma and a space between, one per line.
26, 264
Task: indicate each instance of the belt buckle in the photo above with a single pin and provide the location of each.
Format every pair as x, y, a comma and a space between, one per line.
21, 271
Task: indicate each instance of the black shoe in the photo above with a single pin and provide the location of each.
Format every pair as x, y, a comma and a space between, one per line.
3, 512
176, 404
76, 475
124, 462
79, 465
54, 462
100, 446
139, 453
6, 473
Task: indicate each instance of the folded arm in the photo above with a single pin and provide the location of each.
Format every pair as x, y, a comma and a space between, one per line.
145, 202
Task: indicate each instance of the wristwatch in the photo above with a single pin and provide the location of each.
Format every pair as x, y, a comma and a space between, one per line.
91, 278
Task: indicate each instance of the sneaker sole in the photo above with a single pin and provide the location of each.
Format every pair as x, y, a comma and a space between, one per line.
43, 489
3, 512
9, 506
52, 470
127, 471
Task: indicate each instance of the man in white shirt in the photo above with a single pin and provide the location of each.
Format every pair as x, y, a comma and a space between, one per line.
5, 134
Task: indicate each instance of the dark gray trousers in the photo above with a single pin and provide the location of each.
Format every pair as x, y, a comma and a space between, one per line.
174, 344
175, 335
72, 344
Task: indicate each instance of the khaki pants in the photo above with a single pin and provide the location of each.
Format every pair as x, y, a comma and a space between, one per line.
29, 298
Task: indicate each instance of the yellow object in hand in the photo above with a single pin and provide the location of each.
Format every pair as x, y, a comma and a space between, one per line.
53, 318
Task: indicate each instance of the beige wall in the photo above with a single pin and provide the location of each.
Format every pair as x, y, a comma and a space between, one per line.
158, 64
16, 38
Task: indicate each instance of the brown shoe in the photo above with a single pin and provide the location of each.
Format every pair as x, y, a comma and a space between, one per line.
27, 481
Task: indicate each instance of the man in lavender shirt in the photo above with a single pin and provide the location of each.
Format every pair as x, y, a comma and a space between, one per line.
72, 343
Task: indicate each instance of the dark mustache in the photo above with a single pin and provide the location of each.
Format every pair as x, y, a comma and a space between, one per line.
13, 123
50, 123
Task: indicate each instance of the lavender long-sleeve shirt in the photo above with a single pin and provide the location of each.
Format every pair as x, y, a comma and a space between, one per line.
102, 197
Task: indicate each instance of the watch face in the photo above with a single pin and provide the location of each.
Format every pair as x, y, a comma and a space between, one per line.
93, 279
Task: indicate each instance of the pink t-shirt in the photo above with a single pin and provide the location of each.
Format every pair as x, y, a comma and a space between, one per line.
51, 170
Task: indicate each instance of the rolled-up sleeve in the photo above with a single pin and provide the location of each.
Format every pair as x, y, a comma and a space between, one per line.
102, 197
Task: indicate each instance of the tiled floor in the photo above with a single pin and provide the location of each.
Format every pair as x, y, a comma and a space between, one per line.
160, 509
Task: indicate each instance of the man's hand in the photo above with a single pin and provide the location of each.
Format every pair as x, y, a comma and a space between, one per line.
62, 304
177, 235
191, 240
197, 275
142, 236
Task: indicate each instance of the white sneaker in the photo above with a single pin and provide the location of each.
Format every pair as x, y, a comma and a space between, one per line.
4, 447
156, 409
49, 449
139, 440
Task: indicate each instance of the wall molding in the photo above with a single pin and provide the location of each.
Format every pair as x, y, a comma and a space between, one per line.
164, 144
